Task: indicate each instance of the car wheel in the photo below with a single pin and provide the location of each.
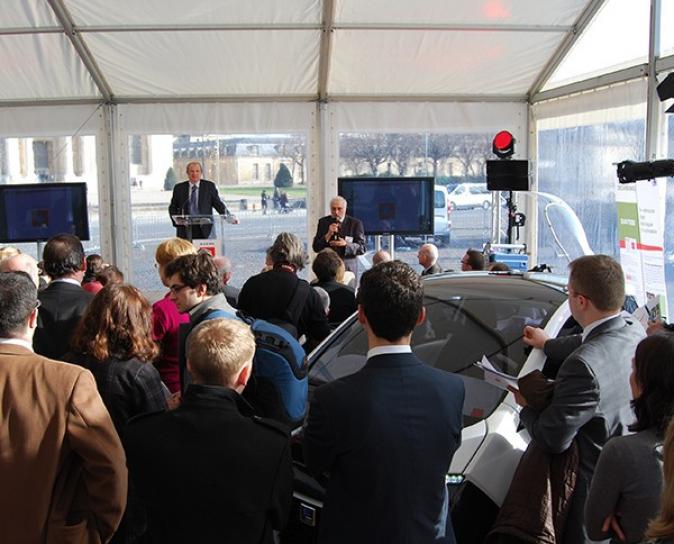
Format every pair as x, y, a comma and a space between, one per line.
486, 205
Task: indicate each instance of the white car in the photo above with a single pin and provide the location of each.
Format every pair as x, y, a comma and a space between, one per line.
468, 315
470, 195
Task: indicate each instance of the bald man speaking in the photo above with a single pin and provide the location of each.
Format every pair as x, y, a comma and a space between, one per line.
342, 233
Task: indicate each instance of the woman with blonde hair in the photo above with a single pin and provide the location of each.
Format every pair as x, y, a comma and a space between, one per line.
166, 319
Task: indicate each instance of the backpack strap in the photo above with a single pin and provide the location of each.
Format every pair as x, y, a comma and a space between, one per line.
296, 305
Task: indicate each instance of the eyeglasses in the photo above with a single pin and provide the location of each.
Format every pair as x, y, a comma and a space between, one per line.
176, 288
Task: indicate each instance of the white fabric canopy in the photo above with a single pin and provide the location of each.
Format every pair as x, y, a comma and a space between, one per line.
166, 50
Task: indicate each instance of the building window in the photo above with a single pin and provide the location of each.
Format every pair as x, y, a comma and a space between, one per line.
267, 171
256, 171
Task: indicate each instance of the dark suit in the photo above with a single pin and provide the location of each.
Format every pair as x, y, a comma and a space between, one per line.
62, 305
208, 200
342, 300
590, 403
350, 227
434, 269
209, 471
268, 295
386, 435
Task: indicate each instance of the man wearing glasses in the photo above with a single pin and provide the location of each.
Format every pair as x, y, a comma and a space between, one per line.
63, 470
194, 284
591, 396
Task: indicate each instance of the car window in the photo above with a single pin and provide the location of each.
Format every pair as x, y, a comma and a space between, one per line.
439, 199
458, 331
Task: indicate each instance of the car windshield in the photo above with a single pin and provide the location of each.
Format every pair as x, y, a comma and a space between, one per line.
467, 317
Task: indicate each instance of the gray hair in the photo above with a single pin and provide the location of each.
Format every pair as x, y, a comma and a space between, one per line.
288, 248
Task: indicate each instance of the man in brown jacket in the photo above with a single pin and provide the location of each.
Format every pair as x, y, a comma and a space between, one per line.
62, 468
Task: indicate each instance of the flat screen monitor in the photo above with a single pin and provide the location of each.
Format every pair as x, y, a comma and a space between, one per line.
508, 175
36, 212
388, 205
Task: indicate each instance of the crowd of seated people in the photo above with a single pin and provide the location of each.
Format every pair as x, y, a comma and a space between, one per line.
163, 382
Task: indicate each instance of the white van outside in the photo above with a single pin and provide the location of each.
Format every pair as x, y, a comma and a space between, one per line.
442, 209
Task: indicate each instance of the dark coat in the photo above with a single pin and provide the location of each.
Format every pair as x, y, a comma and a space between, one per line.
62, 305
351, 228
208, 200
236, 471
435, 269
386, 435
342, 300
267, 296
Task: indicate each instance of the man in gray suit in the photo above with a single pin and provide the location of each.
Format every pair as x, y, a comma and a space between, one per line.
591, 397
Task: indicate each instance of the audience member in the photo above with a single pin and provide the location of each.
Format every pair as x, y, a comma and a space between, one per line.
166, 319
8, 251
21, 262
224, 266
499, 267
194, 285
368, 429
472, 260
63, 301
428, 259
281, 297
590, 399
661, 529
95, 264
381, 256
63, 470
627, 482
113, 340
327, 266
110, 274
44, 277
234, 471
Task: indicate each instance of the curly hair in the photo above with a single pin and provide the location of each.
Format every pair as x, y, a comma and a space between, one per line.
654, 374
118, 323
194, 270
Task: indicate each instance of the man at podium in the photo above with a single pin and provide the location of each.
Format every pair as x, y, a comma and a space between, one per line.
196, 197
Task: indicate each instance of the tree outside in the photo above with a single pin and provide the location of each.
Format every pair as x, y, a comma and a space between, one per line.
283, 177
170, 179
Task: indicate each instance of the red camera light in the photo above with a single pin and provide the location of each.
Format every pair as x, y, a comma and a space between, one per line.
503, 145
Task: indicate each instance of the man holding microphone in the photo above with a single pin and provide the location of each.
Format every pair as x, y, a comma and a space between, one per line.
342, 233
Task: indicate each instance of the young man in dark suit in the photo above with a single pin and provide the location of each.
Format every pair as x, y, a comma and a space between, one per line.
342, 233
196, 196
210, 470
63, 302
386, 434
591, 397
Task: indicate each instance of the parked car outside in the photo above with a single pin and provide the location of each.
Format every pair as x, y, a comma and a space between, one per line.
470, 195
468, 315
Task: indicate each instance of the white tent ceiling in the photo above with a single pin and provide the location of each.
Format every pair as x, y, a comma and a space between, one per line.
203, 50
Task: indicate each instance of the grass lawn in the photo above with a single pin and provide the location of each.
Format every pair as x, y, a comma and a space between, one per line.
297, 191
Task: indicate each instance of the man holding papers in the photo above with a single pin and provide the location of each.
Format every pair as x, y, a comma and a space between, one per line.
591, 397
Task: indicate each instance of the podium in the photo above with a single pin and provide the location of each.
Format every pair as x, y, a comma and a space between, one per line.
215, 243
